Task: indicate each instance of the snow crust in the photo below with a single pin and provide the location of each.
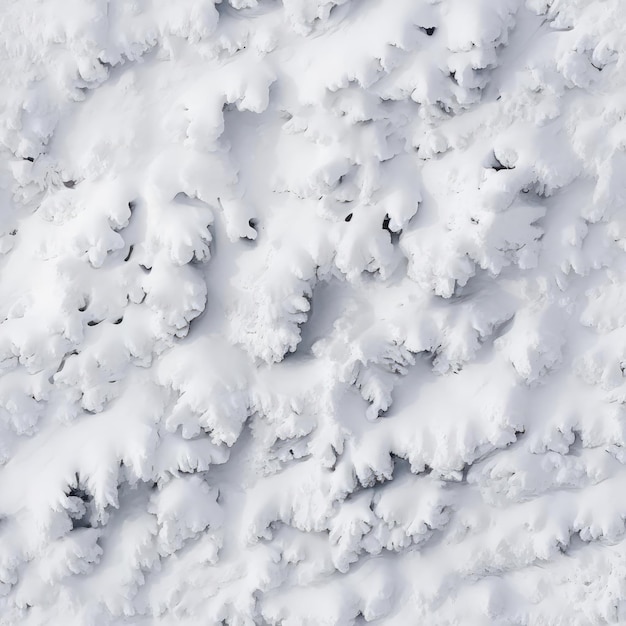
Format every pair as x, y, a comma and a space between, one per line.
312, 312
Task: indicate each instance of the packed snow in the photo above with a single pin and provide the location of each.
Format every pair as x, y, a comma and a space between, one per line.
312, 312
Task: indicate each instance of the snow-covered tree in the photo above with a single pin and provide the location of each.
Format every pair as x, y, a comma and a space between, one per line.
312, 312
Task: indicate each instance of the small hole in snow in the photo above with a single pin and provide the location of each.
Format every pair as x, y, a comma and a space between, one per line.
130, 251
13, 232
348, 217
93, 322
119, 320
29, 159
429, 30
69, 183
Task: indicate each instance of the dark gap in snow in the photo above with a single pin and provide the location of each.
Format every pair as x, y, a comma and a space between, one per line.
429, 30
93, 322
80, 522
497, 165
575, 542
502, 328
538, 190
84, 305
130, 251
334, 9
29, 159
348, 217
78, 492
445, 108
64, 359
576, 446
253, 223
80, 516
69, 183
13, 232
104, 63
394, 234
402, 467
119, 320
145, 269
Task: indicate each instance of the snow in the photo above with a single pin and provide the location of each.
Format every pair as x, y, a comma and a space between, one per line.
311, 312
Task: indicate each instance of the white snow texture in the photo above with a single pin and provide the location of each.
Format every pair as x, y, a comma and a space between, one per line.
312, 312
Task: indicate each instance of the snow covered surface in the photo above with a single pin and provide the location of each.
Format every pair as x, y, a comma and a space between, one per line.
312, 312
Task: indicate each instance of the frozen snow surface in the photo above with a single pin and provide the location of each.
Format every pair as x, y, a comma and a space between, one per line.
312, 312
